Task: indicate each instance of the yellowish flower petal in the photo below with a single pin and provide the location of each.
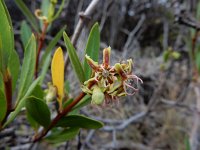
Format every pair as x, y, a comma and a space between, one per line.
57, 71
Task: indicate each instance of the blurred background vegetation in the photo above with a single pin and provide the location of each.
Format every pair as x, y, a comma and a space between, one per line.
161, 36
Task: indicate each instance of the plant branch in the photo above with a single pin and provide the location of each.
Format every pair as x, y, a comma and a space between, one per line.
196, 121
40, 45
58, 117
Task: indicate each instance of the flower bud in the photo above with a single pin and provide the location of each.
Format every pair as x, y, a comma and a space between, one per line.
97, 96
51, 93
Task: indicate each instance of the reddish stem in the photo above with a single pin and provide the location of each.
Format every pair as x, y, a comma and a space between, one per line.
40, 45
58, 117
8, 93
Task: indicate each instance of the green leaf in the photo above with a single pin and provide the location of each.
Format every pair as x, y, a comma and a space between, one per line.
67, 102
21, 103
3, 106
6, 37
79, 121
67, 86
187, 143
38, 92
92, 48
14, 66
29, 16
83, 102
59, 11
32, 122
28, 67
76, 64
38, 110
62, 135
25, 33
1, 82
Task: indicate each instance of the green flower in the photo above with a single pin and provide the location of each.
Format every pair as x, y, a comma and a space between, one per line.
107, 82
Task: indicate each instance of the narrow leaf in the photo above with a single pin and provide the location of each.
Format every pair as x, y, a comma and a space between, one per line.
6, 37
30, 17
32, 122
1, 82
83, 102
79, 121
14, 66
76, 64
62, 135
45, 68
25, 33
38, 110
21, 103
92, 48
57, 71
2, 106
28, 66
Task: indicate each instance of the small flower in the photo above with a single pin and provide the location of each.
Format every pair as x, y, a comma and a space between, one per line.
112, 81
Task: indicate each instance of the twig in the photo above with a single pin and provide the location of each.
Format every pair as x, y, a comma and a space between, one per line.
89, 136
88, 12
172, 103
165, 34
133, 32
185, 18
194, 133
126, 122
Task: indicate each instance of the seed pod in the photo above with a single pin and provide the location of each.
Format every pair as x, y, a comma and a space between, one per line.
97, 96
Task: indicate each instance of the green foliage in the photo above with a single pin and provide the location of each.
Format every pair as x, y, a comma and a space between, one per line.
29, 16
29, 93
14, 66
170, 54
79, 121
84, 101
76, 64
25, 33
32, 122
197, 60
28, 67
38, 92
92, 48
38, 110
59, 136
3, 104
6, 37
187, 143
21, 103
59, 11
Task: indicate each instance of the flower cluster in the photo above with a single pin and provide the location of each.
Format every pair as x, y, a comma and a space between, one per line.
108, 82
